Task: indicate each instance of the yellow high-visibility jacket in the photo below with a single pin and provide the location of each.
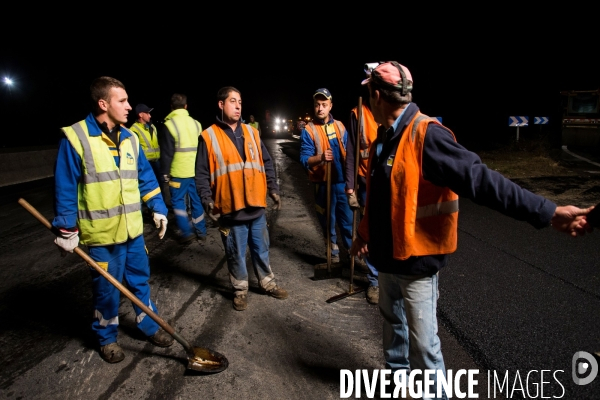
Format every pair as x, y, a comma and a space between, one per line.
109, 208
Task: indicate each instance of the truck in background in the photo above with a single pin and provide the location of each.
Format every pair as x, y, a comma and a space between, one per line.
581, 120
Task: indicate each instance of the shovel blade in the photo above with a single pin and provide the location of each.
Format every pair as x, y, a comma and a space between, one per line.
323, 272
344, 295
207, 361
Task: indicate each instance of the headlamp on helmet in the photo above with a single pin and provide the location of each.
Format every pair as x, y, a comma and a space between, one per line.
382, 75
369, 67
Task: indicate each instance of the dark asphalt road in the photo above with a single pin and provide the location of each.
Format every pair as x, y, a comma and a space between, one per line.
513, 300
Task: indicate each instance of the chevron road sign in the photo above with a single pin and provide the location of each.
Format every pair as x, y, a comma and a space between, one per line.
518, 121
540, 120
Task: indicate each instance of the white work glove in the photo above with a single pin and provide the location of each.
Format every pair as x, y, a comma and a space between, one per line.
353, 201
166, 178
67, 240
161, 223
276, 200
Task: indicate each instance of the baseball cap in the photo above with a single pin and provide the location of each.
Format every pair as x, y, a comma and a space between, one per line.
323, 92
389, 73
140, 108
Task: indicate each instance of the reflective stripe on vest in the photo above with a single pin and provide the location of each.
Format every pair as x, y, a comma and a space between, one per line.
149, 144
109, 208
185, 130
235, 184
317, 133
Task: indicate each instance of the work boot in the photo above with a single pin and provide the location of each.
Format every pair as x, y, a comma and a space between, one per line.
335, 252
277, 292
112, 353
201, 239
240, 302
161, 338
373, 294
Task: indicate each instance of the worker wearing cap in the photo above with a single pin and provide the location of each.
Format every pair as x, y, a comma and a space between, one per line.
234, 174
148, 135
179, 143
146, 132
323, 140
100, 175
357, 200
416, 172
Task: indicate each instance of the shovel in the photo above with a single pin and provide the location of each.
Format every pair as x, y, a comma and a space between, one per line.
199, 359
351, 291
328, 270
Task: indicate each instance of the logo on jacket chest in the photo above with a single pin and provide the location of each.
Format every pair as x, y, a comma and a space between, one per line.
390, 161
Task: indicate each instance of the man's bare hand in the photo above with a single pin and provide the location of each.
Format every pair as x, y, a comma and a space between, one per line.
276, 201
359, 248
571, 220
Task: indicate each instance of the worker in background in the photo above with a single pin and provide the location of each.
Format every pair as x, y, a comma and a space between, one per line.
100, 175
417, 171
148, 136
323, 140
234, 173
178, 141
357, 200
254, 123
146, 132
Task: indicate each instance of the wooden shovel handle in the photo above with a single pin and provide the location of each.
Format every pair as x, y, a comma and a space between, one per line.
110, 278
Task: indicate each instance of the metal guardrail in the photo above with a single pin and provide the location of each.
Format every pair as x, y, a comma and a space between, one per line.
22, 165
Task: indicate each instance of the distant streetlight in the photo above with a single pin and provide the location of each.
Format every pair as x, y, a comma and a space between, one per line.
8, 81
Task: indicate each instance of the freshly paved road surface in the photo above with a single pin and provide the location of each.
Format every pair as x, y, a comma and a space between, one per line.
512, 300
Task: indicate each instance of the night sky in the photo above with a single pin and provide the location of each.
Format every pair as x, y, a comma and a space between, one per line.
474, 74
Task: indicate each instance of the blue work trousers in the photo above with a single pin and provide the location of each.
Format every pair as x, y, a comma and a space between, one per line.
408, 305
362, 200
127, 263
237, 238
179, 188
341, 214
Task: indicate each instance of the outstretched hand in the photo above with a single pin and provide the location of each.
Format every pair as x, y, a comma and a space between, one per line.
571, 220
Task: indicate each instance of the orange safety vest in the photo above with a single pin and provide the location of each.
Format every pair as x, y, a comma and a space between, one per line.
321, 141
424, 216
369, 134
235, 184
